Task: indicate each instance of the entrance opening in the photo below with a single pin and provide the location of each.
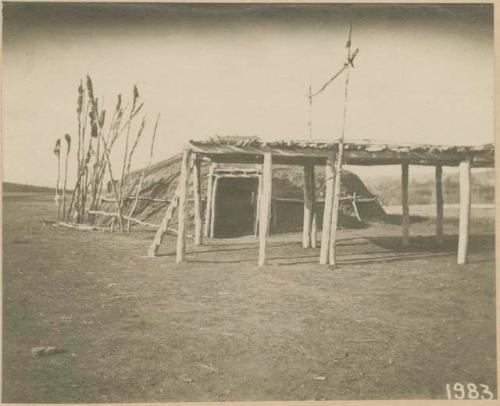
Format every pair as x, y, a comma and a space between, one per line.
235, 205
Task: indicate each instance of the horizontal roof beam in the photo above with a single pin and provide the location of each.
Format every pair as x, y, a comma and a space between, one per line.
354, 154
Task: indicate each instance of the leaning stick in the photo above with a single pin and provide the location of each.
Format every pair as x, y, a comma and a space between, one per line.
155, 245
135, 220
129, 163
102, 167
134, 146
127, 140
139, 187
355, 207
119, 131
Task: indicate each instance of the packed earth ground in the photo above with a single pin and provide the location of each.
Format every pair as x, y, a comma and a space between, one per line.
388, 323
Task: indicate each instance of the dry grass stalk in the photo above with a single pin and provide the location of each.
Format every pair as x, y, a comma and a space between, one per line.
113, 129
77, 188
97, 173
80, 153
57, 152
134, 110
113, 184
68, 148
97, 123
87, 154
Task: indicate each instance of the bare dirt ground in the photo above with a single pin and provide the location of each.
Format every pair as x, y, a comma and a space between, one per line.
388, 323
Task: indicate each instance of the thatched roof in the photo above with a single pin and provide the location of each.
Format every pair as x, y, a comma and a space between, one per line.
231, 149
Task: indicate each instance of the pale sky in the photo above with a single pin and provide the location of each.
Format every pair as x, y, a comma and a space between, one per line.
424, 74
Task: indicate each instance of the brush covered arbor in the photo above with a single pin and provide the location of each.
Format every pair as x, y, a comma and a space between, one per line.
235, 150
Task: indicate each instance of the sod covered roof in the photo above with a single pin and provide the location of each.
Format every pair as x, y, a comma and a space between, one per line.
230, 149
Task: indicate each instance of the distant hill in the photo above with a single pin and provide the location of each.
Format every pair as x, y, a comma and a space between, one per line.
9, 187
422, 188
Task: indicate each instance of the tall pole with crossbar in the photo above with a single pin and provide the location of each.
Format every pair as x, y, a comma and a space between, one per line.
334, 164
339, 162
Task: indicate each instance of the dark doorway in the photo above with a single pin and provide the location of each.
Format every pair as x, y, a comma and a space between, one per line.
235, 207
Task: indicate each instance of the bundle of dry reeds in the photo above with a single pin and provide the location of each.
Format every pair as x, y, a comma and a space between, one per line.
96, 138
57, 153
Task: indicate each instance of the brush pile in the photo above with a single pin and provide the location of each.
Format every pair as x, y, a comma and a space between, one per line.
159, 182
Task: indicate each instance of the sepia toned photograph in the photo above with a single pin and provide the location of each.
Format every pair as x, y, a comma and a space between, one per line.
216, 202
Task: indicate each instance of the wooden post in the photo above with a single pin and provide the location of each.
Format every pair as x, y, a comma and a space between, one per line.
308, 205
405, 217
212, 206
257, 208
465, 202
327, 211
198, 238
439, 204
181, 213
265, 205
336, 205
314, 229
313, 210
208, 207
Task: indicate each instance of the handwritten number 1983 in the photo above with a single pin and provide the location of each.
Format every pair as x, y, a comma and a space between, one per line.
470, 391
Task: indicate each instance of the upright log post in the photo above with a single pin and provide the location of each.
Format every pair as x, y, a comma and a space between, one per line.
327, 211
338, 171
265, 205
439, 204
405, 217
313, 211
308, 204
257, 209
213, 206
208, 207
314, 229
336, 205
181, 213
465, 206
197, 202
